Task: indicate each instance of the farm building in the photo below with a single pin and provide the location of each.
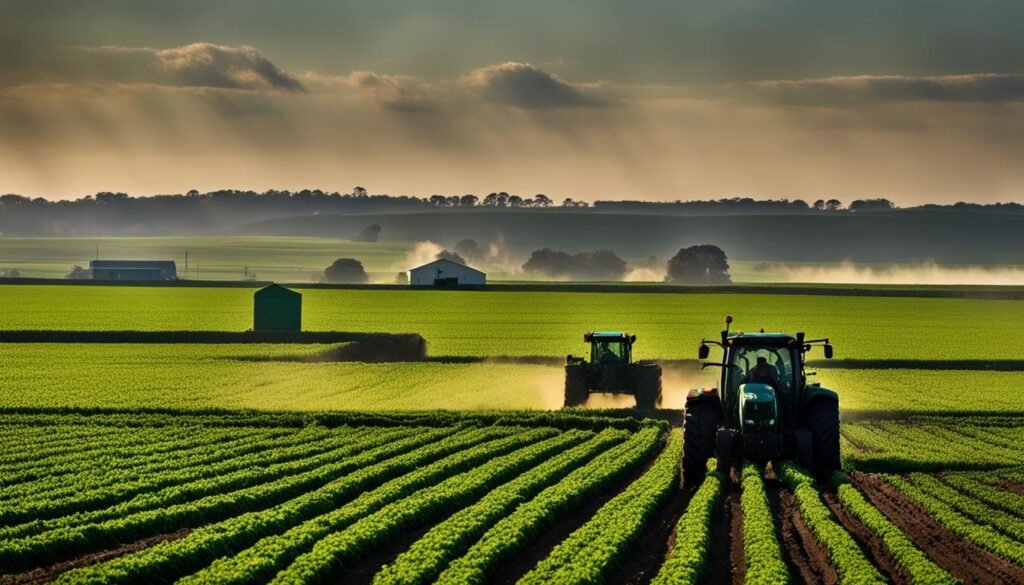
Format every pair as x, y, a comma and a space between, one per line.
276, 308
445, 272
133, 270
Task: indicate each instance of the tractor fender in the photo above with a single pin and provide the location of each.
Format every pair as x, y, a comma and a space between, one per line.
702, 395
818, 392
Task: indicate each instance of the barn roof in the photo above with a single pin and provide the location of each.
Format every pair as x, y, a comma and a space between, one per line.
161, 264
447, 261
276, 290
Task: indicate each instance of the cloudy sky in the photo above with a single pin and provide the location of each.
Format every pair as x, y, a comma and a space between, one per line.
918, 100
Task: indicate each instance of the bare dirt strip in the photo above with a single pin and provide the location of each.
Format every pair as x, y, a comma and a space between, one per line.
870, 542
647, 554
1011, 486
521, 563
51, 572
962, 558
806, 557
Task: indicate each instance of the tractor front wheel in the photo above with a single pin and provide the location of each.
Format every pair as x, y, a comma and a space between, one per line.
700, 425
822, 417
576, 387
647, 386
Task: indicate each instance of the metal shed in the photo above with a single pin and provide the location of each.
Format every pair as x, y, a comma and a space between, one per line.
276, 308
444, 272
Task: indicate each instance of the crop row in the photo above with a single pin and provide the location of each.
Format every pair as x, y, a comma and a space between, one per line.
204, 495
1008, 524
848, 559
897, 446
591, 552
686, 563
55, 544
761, 549
921, 569
960, 524
120, 456
170, 560
995, 496
84, 493
428, 556
518, 529
420, 508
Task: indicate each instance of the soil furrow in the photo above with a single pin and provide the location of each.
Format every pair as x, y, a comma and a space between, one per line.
51, 572
522, 562
806, 557
870, 542
647, 555
962, 558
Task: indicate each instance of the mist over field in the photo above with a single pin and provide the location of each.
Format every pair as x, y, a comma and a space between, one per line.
926, 273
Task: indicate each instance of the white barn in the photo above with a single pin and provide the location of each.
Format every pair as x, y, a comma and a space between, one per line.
445, 272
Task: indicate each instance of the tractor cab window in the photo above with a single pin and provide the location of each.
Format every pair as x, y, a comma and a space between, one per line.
609, 352
766, 365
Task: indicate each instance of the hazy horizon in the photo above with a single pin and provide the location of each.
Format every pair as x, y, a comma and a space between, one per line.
915, 101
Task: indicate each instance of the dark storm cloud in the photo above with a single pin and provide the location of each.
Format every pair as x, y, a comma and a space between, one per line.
867, 89
526, 86
198, 65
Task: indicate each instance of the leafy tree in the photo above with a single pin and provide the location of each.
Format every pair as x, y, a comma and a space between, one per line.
597, 265
704, 264
542, 200
833, 205
402, 278
78, 273
819, 205
872, 205
359, 192
468, 200
346, 271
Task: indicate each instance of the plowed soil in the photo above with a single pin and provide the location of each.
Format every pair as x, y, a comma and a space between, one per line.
872, 545
807, 559
962, 558
51, 572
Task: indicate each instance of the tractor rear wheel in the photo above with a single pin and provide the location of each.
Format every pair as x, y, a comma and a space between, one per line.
576, 387
700, 426
647, 386
822, 417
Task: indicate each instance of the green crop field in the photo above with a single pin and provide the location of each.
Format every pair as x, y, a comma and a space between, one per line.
551, 323
286, 259
280, 377
277, 463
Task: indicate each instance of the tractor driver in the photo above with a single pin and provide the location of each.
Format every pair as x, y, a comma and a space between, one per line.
606, 355
763, 373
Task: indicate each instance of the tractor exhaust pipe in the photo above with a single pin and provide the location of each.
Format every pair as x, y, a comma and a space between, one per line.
725, 334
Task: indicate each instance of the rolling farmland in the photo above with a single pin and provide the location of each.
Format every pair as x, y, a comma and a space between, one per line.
276, 463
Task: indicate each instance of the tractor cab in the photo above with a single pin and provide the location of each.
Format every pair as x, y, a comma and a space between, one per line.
611, 369
763, 408
610, 348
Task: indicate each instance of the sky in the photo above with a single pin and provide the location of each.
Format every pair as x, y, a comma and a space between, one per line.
917, 101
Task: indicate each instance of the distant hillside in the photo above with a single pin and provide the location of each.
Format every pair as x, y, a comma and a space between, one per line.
944, 235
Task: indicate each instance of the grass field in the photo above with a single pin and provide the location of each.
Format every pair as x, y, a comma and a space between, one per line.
551, 323
286, 259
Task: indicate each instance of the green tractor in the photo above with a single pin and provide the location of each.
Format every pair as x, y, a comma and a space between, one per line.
763, 409
611, 369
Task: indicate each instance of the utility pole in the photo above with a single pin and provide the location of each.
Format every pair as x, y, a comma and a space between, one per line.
186, 262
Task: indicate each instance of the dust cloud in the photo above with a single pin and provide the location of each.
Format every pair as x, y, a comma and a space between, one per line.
644, 275
421, 253
677, 378
927, 273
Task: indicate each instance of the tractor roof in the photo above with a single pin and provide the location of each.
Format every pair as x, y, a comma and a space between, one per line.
609, 336
760, 339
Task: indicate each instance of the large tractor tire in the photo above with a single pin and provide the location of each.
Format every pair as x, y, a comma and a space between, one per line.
647, 386
700, 425
576, 387
822, 418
